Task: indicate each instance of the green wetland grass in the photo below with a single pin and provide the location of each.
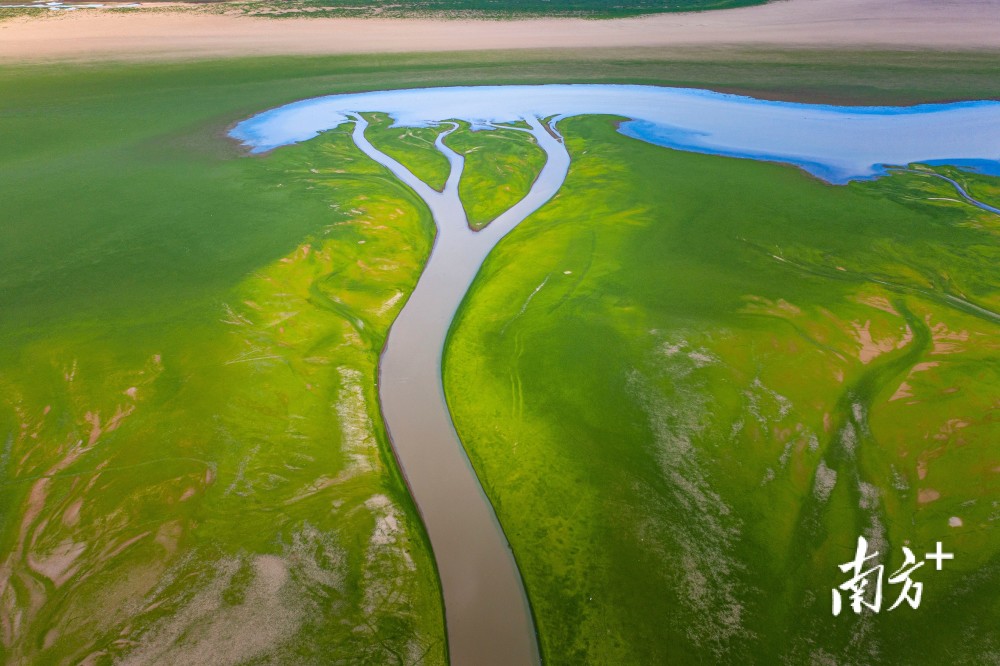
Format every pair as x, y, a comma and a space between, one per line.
193, 454
191, 451
413, 146
500, 164
697, 380
500, 167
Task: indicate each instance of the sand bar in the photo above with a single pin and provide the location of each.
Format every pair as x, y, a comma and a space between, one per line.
165, 35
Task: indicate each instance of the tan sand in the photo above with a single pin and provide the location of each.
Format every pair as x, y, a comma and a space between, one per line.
888, 24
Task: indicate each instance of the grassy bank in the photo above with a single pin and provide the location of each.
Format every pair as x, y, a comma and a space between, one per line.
500, 167
697, 380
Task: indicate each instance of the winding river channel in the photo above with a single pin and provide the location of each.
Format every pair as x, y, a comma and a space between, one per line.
488, 618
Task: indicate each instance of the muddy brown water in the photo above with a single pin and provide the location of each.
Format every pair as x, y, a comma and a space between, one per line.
488, 618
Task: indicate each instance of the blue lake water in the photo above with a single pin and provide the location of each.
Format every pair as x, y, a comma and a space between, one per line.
834, 143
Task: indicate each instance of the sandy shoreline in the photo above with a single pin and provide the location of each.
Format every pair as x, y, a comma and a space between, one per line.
884, 24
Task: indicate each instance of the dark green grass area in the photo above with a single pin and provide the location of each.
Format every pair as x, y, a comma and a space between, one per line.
500, 167
499, 9
697, 380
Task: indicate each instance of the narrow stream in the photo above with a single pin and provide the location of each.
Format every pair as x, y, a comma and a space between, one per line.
487, 613
958, 188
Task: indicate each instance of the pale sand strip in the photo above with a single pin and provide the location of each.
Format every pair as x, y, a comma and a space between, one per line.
889, 24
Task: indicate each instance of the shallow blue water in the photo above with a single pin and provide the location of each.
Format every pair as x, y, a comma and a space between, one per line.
834, 143
985, 167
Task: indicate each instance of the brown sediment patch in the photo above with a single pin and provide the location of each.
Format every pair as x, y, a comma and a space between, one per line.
921, 467
36, 594
113, 550
36, 501
785, 306
870, 347
879, 303
760, 305
904, 391
906, 339
57, 565
946, 341
950, 428
94, 419
71, 516
318, 486
927, 495
119, 416
169, 535
890, 24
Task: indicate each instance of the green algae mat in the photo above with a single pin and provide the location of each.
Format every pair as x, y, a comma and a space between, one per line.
687, 384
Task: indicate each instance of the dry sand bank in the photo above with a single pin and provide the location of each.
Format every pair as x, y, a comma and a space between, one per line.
890, 24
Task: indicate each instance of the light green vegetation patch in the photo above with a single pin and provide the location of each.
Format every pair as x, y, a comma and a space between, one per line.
412, 146
689, 384
500, 164
500, 167
8, 13
193, 467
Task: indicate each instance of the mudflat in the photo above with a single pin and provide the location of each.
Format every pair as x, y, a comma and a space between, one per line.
166, 35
